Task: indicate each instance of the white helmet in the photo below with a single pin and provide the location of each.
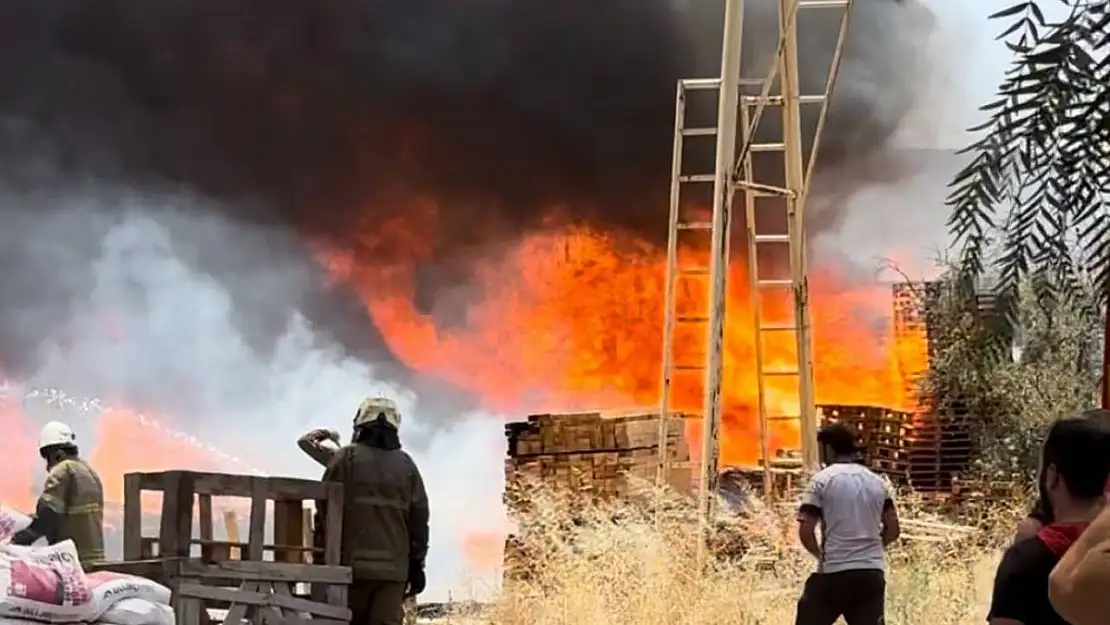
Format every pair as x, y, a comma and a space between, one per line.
372, 408
55, 434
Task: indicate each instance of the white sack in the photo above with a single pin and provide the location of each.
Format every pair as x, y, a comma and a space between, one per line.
11, 521
137, 612
18, 621
109, 588
44, 584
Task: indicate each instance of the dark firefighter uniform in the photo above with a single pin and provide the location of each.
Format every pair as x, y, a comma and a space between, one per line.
385, 516
72, 503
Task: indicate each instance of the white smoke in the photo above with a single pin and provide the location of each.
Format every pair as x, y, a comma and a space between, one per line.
148, 323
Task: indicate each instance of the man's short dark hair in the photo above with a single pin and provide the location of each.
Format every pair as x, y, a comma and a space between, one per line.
839, 437
1079, 448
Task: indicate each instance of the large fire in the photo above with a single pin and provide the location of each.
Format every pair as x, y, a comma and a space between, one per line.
566, 320
572, 319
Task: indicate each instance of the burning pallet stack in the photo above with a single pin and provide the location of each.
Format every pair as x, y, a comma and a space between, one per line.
940, 444
883, 433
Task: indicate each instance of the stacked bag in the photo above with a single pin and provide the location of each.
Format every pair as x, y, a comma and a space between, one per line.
47, 585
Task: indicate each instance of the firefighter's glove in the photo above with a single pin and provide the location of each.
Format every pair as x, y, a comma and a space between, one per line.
320, 435
417, 581
24, 537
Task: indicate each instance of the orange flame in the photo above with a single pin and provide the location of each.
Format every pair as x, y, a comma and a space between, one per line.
484, 551
573, 320
17, 478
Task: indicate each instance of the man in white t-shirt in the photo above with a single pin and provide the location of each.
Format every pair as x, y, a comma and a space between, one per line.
858, 520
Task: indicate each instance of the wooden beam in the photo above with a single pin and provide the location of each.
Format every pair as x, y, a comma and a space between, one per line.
204, 518
132, 517
177, 515
268, 571
256, 533
249, 597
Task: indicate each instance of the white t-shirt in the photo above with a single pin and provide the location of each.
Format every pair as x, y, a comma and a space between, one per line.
851, 499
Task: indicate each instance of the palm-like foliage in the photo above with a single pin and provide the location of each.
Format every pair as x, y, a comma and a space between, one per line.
1033, 198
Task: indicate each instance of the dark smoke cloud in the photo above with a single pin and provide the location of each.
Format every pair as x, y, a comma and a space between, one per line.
321, 114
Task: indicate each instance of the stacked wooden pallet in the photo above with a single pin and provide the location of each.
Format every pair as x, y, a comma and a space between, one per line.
942, 443
940, 448
593, 453
882, 433
583, 457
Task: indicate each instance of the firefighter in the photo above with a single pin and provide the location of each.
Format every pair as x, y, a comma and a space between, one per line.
385, 516
72, 502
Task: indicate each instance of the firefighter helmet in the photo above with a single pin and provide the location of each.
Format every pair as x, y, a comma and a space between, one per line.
378, 408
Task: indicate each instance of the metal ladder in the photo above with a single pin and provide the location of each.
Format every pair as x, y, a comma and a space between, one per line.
793, 194
790, 197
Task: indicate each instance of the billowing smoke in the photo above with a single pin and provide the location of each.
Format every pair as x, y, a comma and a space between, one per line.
324, 116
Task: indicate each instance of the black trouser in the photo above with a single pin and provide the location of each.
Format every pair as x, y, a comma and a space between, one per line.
859, 596
376, 602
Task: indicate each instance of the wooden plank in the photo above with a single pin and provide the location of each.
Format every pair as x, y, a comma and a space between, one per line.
132, 516
151, 569
204, 518
269, 571
189, 612
333, 533
256, 534
249, 597
229, 485
169, 542
296, 620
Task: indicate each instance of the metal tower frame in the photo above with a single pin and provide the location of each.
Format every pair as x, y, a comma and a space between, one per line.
742, 112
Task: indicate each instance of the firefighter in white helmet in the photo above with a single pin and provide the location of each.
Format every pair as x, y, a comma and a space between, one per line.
385, 515
72, 502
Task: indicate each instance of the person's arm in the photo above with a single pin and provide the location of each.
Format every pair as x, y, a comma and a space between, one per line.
335, 472
1014, 591
809, 515
891, 527
1077, 586
312, 443
47, 522
418, 519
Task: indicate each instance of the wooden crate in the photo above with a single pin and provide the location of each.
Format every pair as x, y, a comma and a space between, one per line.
264, 591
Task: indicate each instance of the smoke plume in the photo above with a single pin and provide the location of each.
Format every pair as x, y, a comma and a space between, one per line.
327, 117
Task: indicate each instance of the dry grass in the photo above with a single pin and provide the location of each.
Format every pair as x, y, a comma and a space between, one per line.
617, 566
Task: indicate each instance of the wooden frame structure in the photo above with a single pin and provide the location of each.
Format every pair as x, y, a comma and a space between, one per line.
263, 592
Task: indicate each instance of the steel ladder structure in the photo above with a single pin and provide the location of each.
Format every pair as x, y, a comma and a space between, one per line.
738, 117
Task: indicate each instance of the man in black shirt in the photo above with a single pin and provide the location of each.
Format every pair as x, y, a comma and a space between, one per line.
1075, 464
1041, 514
